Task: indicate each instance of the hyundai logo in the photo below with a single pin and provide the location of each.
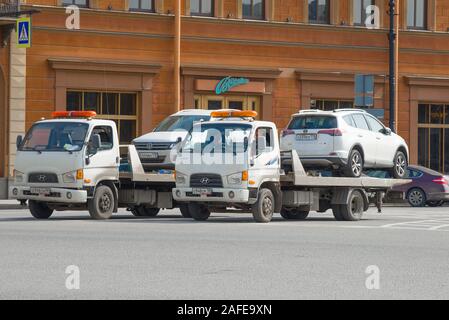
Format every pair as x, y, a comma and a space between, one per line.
42, 178
305, 131
204, 180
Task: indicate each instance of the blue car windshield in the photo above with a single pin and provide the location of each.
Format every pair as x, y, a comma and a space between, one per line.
175, 123
55, 136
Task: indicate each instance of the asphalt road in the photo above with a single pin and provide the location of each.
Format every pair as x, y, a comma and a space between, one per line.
228, 257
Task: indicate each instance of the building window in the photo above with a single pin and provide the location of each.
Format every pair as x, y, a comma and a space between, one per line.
433, 136
79, 3
120, 107
319, 11
359, 14
142, 5
417, 14
202, 8
253, 9
329, 105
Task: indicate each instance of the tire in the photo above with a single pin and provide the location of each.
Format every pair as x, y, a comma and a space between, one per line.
294, 214
399, 170
435, 204
39, 210
263, 209
102, 205
184, 208
198, 211
336, 210
354, 209
417, 198
354, 167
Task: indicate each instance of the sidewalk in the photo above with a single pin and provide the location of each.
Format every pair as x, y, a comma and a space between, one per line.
10, 205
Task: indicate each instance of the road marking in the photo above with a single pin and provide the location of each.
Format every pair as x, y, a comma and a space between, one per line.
428, 225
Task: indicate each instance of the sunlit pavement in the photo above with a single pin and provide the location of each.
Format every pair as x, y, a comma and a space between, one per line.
228, 256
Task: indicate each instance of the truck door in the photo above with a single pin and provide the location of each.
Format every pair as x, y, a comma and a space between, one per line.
104, 163
266, 154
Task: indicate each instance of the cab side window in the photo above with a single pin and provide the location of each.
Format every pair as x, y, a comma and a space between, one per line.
106, 137
360, 121
374, 124
264, 140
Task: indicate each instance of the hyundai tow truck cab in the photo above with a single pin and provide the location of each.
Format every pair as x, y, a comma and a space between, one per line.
231, 161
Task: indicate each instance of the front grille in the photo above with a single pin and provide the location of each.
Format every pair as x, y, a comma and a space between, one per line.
203, 180
156, 146
149, 161
43, 178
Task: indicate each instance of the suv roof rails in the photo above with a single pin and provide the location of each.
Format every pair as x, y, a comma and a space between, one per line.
310, 111
347, 109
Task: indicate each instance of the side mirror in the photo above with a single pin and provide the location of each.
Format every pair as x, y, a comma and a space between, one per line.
179, 140
387, 131
19, 140
96, 143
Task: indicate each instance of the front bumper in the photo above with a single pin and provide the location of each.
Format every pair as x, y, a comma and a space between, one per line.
218, 195
57, 195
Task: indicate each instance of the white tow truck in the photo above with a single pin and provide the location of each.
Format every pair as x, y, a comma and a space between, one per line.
75, 162
234, 163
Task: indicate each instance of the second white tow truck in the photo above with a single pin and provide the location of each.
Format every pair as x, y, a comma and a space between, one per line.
234, 162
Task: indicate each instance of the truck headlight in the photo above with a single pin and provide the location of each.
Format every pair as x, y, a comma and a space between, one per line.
236, 178
69, 177
181, 179
72, 176
18, 176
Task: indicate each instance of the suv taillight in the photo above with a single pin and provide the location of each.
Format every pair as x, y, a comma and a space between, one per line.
332, 132
441, 181
287, 132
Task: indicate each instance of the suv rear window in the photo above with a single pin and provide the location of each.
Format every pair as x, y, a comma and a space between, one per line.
313, 122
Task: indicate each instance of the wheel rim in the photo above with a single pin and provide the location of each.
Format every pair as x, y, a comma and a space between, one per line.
416, 198
105, 203
267, 206
356, 164
401, 165
356, 205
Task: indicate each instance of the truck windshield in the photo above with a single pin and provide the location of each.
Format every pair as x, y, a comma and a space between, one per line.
55, 136
313, 122
174, 123
218, 137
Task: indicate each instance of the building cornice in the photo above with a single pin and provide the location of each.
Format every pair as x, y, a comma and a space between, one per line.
219, 71
104, 65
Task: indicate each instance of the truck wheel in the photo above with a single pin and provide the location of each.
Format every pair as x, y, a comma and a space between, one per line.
102, 204
199, 212
184, 208
336, 210
354, 167
40, 210
294, 214
263, 209
353, 210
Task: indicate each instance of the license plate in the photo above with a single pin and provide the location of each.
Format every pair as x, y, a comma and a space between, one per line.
149, 155
40, 191
202, 192
306, 137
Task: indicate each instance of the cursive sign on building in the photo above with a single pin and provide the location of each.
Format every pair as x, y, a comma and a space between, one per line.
228, 83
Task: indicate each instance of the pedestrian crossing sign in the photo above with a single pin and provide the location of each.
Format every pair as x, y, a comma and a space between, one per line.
24, 32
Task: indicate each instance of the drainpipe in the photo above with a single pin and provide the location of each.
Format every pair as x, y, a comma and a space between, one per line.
177, 49
392, 67
397, 64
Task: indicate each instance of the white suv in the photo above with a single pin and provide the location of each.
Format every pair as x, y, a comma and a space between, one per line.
155, 148
348, 140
